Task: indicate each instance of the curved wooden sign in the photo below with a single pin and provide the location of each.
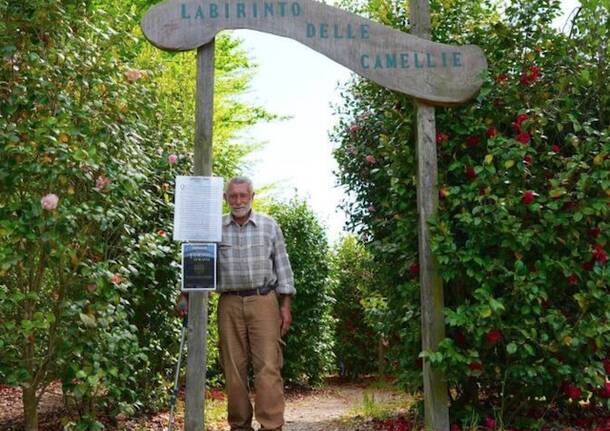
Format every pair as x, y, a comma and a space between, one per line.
437, 73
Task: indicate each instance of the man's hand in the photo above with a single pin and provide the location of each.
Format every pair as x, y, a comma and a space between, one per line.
285, 314
182, 304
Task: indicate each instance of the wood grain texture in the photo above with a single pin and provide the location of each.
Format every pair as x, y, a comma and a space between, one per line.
437, 73
196, 364
436, 402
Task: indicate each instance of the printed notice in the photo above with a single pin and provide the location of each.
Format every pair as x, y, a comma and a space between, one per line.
198, 209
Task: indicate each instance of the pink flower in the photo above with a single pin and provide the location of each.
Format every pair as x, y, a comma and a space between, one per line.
91, 287
132, 75
528, 197
556, 149
572, 280
116, 278
370, 159
354, 128
101, 182
49, 202
523, 137
528, 160
172, 159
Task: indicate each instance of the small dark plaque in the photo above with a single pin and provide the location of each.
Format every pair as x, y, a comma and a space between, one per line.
198, 266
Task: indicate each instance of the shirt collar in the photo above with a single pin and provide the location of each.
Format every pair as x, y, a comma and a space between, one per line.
253, 218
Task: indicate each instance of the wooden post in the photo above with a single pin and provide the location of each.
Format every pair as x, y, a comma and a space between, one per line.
196, 363
433, 322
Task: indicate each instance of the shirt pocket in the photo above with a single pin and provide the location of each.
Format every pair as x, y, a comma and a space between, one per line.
260, 248
225, 250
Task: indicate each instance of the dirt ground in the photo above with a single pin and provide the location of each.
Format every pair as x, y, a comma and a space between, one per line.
336, 407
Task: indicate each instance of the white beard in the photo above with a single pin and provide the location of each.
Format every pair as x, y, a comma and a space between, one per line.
241, 212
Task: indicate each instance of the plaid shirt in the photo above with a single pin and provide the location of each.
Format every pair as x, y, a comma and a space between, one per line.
254, 255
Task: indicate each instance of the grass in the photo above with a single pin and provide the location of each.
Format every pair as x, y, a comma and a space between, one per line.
382, 404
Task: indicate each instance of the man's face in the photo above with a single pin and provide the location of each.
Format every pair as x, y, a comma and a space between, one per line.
239, 197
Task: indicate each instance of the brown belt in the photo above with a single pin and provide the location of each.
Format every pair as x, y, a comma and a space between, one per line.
250, 292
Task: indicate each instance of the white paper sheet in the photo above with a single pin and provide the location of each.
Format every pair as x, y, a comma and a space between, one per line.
198, 209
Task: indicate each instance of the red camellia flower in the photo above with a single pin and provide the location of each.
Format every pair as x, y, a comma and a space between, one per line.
588, 266
501, 79
556, 149
604, 391
470, 173
520, 119
161, 233
473, 141
595, 232
116, 278
528, 197
528, 160
530, 76
572, 392
443, 192
524, 138
475, 366
414, 268
600, 254
493, 336
490, 423
572, 280
217, 394
441, 137
459, 339
606, 363
491, 132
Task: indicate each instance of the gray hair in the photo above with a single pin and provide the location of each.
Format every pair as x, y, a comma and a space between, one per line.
239, 180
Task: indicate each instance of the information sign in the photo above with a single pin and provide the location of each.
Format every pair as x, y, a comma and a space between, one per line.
199, 267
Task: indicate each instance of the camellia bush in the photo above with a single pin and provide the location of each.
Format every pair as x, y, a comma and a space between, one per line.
88, 153
359, 346
308, 352
521, 235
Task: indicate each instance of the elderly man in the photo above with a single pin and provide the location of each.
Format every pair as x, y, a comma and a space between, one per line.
254, 273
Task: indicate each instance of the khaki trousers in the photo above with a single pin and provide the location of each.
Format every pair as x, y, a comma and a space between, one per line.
249, 329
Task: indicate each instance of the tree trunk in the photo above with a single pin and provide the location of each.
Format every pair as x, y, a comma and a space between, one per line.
30, 409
